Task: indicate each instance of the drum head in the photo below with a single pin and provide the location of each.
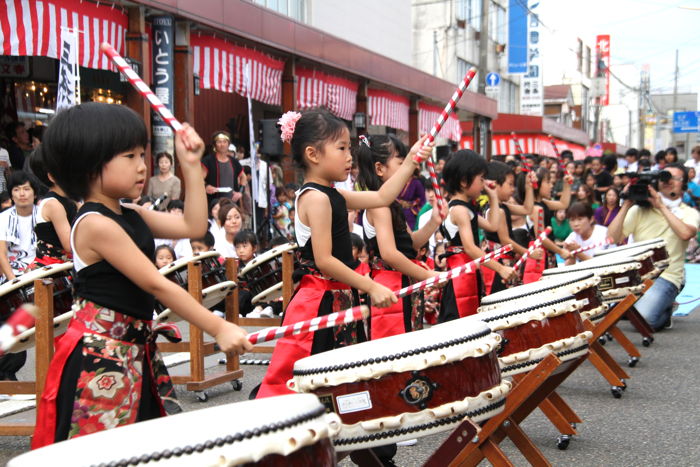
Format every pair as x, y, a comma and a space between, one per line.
554, 287
265, 257
210, 297
269, 295
654, 243
279, 425
31, 276
27, 339
182, 262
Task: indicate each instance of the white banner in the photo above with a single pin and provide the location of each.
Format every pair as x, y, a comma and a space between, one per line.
531, 90
68, 92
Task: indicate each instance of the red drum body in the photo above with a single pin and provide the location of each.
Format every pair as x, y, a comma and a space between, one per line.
531, 332
263, 274
215, 286
619, 277
583, 285
408, 385
20, 290
651, 257
292, 430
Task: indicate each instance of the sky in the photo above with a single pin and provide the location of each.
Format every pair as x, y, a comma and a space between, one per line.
642, 32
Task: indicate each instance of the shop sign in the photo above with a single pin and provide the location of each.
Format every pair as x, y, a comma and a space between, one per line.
67, 92
14, 67
532, 91
163, 80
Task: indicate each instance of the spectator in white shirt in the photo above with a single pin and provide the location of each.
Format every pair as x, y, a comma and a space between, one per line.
17, 237
585, 231
694, 162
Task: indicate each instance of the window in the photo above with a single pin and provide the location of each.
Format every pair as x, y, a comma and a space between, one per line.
579, 55
497, 23
462, 67
507, 96
295, 9
587, 61
470, 11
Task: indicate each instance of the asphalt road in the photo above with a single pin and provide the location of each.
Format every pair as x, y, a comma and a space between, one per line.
656, 422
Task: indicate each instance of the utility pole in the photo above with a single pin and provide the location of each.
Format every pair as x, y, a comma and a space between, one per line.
435, 53
484, 46
675, 86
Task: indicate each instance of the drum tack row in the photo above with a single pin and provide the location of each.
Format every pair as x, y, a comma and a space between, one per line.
477, 377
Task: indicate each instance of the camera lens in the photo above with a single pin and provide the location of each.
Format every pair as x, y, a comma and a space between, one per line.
665, 176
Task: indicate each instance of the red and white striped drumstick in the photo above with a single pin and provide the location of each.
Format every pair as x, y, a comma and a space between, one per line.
607, 241
452, 273
449, 108
517, 143
522, 153
559, 159
322, 322
535, 245
140, 86
361, 312
23, 318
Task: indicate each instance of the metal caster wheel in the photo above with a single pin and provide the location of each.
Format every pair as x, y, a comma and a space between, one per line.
608, 336
646, 342
624, 384
237, 385
632, 362
616, 391
573, 425
602, 340
201, 396
563, 442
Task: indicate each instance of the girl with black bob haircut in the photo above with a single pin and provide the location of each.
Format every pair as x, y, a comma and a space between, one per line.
464, 181
106, 363
55, 214
321, 146
391, 245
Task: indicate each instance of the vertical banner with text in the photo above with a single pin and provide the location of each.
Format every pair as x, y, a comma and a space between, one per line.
531, 90
163, 81
68, 92
517, 37
602, 47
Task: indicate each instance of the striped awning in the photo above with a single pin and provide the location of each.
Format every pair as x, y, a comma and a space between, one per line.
222, 65
531, 143
33, 28
428, 115
318, 89
387, 109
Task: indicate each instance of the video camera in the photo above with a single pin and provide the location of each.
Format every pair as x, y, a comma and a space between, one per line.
640, 182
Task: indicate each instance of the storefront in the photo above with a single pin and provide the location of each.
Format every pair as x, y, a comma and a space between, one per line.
533, 135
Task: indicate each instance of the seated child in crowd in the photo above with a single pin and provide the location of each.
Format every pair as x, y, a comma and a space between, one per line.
204, 244
164, 255
585, 231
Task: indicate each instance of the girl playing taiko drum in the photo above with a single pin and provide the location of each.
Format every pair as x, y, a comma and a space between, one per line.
106, 371
321, 146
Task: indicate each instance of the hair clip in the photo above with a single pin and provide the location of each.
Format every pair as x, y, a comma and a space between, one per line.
364, 140
288, 122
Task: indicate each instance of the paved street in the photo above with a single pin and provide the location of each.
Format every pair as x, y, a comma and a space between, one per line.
654, 423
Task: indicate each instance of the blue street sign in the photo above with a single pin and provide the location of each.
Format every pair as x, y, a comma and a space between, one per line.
493, 79
686, 122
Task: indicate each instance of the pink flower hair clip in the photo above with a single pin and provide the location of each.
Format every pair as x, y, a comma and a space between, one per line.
364, 140
287, 122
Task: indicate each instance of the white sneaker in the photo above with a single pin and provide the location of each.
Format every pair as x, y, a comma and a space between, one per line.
408, 442
267, 312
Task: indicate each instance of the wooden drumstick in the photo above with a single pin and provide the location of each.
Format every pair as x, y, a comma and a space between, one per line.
535, 245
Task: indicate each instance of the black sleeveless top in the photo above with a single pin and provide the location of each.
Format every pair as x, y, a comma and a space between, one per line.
493, 236
104, 285
403, 240
45, 230
457, 240
340, 232
547, 213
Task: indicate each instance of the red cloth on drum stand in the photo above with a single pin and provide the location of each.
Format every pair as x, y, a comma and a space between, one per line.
463, 298
307, 303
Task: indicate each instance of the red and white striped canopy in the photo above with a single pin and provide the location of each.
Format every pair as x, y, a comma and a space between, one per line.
387, 109
318, 89
531, 144
429, 114
33, 28
221, 65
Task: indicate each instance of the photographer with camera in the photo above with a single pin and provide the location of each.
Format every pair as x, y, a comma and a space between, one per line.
653, 208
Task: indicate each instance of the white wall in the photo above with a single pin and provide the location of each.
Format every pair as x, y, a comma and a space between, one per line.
382, 26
